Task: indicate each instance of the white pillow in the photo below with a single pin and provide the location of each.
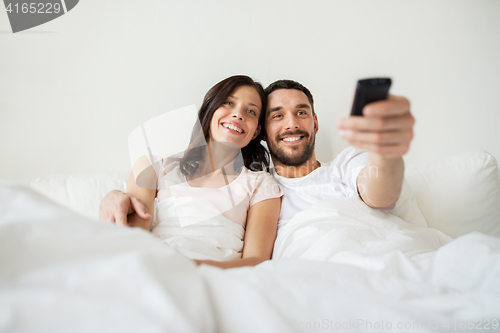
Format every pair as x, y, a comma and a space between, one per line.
82, 193
458, 194
407, 207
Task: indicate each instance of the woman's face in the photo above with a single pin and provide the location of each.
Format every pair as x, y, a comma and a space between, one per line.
237, 120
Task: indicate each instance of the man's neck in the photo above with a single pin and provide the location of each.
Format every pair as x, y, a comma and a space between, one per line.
297, 171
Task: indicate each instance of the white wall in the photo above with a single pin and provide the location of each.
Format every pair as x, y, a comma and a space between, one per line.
71, 90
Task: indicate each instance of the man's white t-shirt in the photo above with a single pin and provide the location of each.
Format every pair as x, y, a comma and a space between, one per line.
336, 179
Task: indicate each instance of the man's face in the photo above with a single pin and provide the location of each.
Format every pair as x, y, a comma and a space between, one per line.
290, 127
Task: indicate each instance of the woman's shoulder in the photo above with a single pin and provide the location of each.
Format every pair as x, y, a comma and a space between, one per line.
255, 173
259, 176
163, 163
263, 186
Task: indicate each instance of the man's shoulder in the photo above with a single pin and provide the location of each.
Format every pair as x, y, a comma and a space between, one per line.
349, 154
345, 156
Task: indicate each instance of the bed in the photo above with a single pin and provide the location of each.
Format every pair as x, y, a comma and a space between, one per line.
339, 266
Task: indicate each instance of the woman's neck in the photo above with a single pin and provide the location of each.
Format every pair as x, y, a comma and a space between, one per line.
219, 155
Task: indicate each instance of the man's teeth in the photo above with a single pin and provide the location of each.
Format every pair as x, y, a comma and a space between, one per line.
234, 128
292, 138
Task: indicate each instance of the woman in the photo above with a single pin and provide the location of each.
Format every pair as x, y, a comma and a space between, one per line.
216, 204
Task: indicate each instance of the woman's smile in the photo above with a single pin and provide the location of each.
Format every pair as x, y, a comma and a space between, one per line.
237, 120
233, 127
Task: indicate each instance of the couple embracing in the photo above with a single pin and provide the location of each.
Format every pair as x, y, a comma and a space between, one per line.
218, 204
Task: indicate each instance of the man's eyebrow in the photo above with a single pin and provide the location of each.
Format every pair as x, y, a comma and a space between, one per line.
277, 108
303, 106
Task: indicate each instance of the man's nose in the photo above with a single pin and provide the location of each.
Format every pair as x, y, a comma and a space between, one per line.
291, 123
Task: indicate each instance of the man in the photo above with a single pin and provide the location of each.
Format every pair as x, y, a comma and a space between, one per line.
374, 172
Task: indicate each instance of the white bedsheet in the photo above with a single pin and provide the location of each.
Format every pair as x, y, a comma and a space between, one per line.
61, 272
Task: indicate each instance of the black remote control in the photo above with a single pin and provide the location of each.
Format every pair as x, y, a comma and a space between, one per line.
368, 91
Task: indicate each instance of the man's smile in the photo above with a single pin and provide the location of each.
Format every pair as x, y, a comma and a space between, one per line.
293, 139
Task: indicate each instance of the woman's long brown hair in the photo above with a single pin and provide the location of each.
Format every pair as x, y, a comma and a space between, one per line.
255, 155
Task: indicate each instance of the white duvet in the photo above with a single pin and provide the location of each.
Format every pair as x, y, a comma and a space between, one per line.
61, 272
347, 231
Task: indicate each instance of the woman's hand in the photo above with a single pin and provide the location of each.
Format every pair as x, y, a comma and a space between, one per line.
232, 263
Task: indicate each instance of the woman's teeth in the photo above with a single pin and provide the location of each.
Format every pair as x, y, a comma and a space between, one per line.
234, 128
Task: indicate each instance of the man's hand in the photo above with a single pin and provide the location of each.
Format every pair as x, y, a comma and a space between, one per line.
386, 128
116, 205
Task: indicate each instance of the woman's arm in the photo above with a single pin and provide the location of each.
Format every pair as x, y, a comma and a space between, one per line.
142, 185
261, 229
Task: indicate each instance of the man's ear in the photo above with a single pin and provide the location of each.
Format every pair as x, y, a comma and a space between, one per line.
316, 126
257, 132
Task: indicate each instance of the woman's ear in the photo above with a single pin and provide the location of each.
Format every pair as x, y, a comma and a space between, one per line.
257, 132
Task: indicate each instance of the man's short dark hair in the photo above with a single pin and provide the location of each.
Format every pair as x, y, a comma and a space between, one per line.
290, 84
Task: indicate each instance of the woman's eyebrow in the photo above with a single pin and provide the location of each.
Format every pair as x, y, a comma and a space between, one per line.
250, 103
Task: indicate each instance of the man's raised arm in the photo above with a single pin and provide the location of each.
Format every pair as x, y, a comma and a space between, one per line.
385, 130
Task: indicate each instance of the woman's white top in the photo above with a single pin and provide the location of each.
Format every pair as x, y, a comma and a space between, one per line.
207, 223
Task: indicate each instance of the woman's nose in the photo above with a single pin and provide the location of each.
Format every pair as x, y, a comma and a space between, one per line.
239, 114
